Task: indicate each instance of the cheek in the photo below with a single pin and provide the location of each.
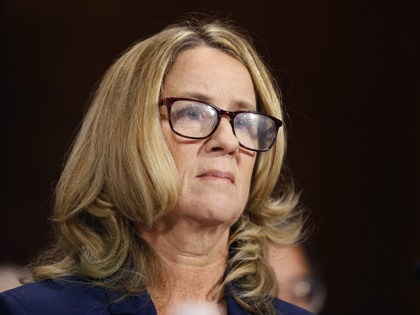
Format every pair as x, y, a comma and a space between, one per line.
167, 134
184, 158
248, 169
173, 144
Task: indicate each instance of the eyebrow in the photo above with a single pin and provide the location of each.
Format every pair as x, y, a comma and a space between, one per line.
242, 105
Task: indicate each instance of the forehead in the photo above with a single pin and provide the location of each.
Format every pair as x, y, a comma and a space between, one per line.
211, 73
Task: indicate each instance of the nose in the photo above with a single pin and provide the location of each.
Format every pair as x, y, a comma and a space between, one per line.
223, 139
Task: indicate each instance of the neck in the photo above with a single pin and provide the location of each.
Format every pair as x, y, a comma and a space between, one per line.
196, 257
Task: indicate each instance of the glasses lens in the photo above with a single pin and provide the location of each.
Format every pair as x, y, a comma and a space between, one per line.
255, 131
193, 119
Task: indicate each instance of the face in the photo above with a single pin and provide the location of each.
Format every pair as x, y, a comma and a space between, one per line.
292, 268
215, 172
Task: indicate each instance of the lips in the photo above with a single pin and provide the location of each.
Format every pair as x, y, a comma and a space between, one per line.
216, 174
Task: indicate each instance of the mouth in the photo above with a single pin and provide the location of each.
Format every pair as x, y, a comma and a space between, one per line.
218, 175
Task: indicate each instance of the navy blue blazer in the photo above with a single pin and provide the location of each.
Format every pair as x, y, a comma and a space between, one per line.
54, 297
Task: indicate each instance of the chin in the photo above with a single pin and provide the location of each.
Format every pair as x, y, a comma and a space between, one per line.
212, 209
214, 218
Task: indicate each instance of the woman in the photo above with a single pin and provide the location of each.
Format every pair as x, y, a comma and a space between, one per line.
167, 199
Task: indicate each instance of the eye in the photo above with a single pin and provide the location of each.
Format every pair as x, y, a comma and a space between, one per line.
190, 112
243, 121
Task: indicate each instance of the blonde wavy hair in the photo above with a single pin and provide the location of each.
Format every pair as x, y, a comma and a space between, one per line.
120, 172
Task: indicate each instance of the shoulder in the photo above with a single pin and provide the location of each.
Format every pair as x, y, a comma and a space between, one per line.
64, 296
281, 307
284, 308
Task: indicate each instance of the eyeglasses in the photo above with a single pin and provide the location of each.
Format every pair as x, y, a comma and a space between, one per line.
307, 292
195, 119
